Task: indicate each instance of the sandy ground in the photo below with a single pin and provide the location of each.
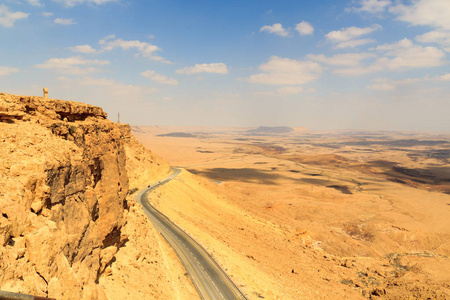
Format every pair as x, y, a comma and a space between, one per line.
314, 215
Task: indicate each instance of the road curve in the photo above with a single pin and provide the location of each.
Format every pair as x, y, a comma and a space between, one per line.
208, 277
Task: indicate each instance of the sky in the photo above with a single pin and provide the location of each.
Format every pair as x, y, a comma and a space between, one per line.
325, 65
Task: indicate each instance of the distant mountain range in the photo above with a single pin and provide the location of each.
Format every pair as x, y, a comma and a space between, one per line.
271, 130
179, 134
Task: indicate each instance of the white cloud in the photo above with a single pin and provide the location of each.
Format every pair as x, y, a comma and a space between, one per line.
441, 37
144, 49
373, 6
62, 21
344, 59
349, 33
276, 28
7, 18
354, 43
304, 28
284, 91
285, 71
290, 90
5, 71
47, 14
108, 37
409, 81
445, 77
405, 54
389, 84
425, 12
71, 3
35, 2
159, 78
105, 86
399, 56
86, 49
348, 37
360, 70
216, 68
75, 65
384, 84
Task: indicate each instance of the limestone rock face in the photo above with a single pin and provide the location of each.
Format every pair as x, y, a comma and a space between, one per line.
63, 188
142, 164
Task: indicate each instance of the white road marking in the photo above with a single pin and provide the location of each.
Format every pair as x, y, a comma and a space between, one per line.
172, 233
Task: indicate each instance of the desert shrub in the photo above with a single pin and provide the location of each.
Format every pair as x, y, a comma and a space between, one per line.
359, 232
133, 190
72, 129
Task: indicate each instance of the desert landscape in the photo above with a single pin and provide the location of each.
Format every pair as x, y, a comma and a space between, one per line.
292, 213
219, 150
288, 213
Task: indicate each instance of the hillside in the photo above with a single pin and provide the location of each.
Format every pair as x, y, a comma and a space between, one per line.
69, 228
315, 215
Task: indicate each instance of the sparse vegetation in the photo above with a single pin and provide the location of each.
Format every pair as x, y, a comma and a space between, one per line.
133, 190
358, 185
72, 129
359, 232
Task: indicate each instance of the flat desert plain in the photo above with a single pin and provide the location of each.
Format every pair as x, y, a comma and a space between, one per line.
291, 213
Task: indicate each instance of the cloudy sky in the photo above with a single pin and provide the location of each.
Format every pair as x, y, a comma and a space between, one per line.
329, 64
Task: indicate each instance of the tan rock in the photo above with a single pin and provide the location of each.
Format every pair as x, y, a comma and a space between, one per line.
5, 230
63, 189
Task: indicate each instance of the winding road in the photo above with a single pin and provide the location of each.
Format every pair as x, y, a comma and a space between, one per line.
208, 277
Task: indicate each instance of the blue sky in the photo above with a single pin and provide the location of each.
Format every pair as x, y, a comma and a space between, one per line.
353, 64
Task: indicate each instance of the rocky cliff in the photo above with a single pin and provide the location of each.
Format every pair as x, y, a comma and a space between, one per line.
64, 182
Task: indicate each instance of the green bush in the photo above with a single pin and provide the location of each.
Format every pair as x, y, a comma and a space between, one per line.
132, 191
72, 129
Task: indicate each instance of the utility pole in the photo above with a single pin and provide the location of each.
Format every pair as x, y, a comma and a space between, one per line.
118, 118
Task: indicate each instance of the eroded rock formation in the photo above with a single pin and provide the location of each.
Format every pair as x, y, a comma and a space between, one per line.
63, 189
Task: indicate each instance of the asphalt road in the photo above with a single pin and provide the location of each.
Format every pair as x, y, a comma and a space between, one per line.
208, 277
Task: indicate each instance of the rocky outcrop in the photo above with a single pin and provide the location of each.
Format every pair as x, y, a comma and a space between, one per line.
51, 108
142, 164
63, 189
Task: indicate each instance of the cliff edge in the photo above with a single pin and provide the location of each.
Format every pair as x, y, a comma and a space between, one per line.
65, 177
